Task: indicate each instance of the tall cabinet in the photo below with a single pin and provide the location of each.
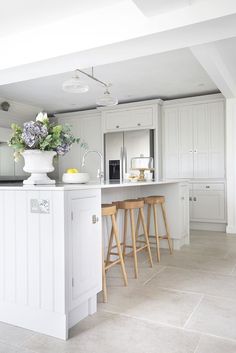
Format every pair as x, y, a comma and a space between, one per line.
194, 149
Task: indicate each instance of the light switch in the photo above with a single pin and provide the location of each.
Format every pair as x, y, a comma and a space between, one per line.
39, 206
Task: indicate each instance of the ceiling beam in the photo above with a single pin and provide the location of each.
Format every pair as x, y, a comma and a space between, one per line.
216, 63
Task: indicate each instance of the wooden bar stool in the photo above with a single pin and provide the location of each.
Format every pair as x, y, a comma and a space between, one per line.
152, 202
110, 211
129, 206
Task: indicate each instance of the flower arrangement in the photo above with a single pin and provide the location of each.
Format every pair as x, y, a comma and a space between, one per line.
41, 135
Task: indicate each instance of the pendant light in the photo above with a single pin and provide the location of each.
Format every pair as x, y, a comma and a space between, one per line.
107, 99
75, 84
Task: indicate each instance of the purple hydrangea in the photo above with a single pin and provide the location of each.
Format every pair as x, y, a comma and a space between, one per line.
63, 149
33, 132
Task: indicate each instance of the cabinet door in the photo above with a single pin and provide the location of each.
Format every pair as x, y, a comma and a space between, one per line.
215, 112
201, 141
208, 206
132, 118
185, 142
86, 247
171, 144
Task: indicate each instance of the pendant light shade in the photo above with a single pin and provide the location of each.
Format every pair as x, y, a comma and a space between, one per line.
107, 99
75, 85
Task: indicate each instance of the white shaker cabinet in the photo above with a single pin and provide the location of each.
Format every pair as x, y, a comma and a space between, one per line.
85, 234
194, 136
207, 203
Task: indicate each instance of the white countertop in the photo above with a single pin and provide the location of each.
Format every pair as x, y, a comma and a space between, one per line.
91, 185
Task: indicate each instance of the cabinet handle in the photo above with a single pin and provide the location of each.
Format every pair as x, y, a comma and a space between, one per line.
95, 219
117, 126
195, 151
194, 199
191, 151
190, 198
207, 187
182, 198
139, 124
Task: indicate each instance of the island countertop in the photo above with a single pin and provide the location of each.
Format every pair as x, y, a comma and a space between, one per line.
90, 185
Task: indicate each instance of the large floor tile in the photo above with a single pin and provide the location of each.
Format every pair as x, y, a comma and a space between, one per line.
158, 305
15, 336
196, 281
215, 316
206, 262
105, 333
209, 344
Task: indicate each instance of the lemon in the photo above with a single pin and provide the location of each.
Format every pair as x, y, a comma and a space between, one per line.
72, 171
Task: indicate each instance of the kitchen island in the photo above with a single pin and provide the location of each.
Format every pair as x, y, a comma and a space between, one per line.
50, 248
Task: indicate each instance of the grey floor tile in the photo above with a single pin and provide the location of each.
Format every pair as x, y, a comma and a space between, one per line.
196, 281
157, 305
215, 316
15, 336
209, 344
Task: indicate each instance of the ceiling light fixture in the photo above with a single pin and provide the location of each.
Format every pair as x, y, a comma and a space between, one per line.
107, 99
75, 84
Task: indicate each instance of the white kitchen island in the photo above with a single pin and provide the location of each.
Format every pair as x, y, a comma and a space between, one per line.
50, 248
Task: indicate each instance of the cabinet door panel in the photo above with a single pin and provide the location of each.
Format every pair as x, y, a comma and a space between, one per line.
208, 206
185, 143
86, 247
171, 136
201, 141
215, 112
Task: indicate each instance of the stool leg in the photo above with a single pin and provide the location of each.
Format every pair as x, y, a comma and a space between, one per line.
148, 219
115, 231
134, 243
167, 228
125, 232
104, 282
110, 246
146, 236
156, 233
137, 226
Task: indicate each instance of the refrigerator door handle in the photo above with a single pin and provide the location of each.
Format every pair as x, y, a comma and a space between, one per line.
125, 160
121, 164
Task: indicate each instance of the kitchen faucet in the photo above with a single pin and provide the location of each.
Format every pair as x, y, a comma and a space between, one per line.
100, 172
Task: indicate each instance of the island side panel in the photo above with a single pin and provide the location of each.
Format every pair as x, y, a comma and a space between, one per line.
177, 208
32, 266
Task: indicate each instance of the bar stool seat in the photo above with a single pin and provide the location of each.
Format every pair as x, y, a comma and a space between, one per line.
152, 202
128, 206
110, 211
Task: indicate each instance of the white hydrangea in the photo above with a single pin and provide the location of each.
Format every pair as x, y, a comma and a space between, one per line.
42, 117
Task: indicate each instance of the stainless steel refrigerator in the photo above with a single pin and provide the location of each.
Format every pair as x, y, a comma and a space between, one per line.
121, 147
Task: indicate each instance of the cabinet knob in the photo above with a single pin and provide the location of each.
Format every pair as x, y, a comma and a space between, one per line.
95, 219
191, 151
190, 198
139, 124
194, 199
117, 126
208, 187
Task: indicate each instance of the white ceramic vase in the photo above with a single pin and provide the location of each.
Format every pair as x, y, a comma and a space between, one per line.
38, 163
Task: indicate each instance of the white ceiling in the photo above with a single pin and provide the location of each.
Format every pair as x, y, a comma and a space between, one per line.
17, 16
169, 75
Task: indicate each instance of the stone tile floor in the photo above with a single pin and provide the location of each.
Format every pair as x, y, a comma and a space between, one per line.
187, 304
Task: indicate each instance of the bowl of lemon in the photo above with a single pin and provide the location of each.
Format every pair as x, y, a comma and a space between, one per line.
73, 176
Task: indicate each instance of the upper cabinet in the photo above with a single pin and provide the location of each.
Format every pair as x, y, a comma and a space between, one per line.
194, 139
129, 116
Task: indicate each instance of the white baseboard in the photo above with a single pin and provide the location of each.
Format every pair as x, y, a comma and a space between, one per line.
85, 309
231, 229
215, 227
46, 322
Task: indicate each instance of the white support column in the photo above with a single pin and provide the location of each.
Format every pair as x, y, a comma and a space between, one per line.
231, 164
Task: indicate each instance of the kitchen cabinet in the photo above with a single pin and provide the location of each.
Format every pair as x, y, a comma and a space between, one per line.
129, 117
194, 138
207, 203
85, 270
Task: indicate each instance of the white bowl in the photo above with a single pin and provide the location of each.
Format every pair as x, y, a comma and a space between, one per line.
75, 178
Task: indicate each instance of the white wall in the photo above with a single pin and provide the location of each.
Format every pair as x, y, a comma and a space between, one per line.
87, 126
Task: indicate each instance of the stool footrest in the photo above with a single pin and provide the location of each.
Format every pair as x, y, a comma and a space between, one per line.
112, 263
